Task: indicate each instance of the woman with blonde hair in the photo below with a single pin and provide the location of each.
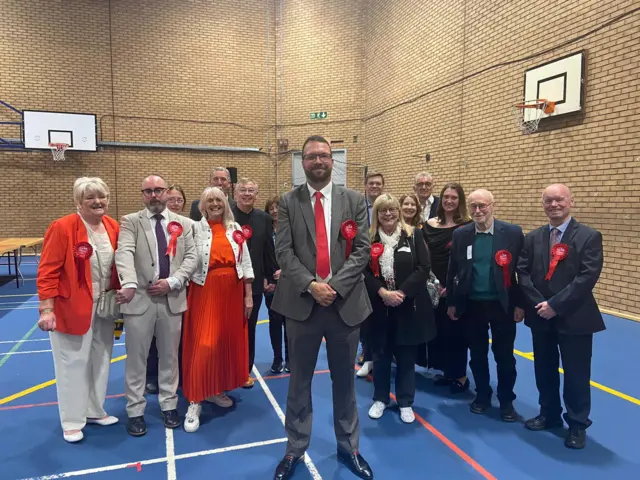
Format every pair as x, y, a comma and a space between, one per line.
215, 355
76, 281
402, 315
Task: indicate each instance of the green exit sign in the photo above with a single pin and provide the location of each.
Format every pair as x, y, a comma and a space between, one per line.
318, 115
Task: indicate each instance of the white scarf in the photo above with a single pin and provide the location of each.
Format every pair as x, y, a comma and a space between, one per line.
386, 259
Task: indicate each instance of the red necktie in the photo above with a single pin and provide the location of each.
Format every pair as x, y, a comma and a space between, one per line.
323, 267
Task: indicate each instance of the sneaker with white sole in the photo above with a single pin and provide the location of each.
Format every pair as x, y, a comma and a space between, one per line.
192, 418
407, 415
220, 400
73, 436
365, 369
376, 410
104, 421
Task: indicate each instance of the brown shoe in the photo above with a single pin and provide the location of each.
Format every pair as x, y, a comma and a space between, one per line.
249, 383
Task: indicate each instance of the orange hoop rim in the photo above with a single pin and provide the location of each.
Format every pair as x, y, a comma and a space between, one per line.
541, 103
59, 145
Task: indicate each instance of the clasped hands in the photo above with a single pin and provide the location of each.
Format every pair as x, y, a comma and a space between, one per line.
323, 293
391, 298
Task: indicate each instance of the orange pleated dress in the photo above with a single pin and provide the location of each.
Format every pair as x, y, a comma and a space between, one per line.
215, 356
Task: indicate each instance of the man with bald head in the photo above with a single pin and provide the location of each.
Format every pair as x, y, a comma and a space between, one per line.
558, 268
482, 293
156, 255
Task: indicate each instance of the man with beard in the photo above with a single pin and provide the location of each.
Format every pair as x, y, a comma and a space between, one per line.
321, 293
156, 255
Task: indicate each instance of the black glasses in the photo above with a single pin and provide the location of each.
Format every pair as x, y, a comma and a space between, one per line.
147, 192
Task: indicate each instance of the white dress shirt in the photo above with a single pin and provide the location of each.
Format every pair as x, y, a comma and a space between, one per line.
326, 206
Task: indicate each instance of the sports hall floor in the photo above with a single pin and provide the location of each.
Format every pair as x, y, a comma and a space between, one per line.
447, 441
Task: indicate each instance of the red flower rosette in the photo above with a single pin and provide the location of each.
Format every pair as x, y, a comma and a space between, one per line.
82, 252
247, 231
376, 252
559, 252
175, 230
349, 229
503, 259
238, 237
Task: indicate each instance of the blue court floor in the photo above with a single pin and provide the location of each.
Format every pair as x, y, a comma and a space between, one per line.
247, 441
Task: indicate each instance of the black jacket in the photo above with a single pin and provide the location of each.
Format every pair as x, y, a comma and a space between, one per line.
412, 322
570, 289
459, 275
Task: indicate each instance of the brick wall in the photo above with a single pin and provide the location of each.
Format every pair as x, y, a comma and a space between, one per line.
414, 50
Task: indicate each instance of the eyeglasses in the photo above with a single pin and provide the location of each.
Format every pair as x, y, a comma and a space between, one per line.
384, 211
250, 191
479, 206
322, 156
147, 192
424, 184
176, 200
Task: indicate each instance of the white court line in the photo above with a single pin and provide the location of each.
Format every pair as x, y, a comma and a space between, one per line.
307, 459
25, 341
171, 455
44, 351
35, 307
152, 461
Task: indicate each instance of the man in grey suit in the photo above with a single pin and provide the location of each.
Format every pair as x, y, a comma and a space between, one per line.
156, 255
321, 293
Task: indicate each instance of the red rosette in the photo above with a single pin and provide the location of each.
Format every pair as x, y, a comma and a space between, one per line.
503, 259
376, 252
247, 231
448, 246
238, 237
559, 252
175, 230
82, 252
349, 229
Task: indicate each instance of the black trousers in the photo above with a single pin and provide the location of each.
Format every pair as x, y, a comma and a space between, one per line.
478, 317
450, 346
276, 323
365, 340
575, 351
253, 321
405, 374
437, 347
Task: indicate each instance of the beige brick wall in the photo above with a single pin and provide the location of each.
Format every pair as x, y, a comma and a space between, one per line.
249, 73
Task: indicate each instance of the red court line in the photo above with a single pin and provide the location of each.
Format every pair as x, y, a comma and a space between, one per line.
440, 436
48, 404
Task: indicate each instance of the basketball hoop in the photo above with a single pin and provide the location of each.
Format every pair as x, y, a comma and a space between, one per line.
58, 149
529, 113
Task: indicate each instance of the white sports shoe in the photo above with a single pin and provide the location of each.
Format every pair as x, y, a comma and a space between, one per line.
376, 410
192, 419
365, 369
220, 400
407, 415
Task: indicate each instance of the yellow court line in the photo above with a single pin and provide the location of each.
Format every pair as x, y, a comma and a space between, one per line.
40, 386
604, 388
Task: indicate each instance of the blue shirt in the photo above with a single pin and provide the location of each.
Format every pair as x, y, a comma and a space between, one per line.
562, 229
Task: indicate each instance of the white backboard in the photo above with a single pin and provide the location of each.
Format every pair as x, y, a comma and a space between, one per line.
560, 81
78, 130
339, 174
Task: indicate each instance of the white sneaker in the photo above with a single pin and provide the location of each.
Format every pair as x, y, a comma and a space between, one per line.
220, 400
192, 419
365, 369
407, 415
376, 410
104, 421
73, 436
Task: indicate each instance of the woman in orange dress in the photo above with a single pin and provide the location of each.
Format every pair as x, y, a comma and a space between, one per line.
215, 354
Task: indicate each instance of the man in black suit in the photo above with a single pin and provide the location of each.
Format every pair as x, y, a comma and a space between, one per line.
562, 312
423, 187
482, 292
261, 249
221, 178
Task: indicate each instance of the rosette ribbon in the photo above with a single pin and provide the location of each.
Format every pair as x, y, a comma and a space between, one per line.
175, 230
238, 237
82, 252
503, 259
349, 229
376, 252
559, 252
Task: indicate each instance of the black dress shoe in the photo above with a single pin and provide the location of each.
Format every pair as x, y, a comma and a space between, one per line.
576, 438
542, 423
136, 426
356, 464
276, 366
171, 418
508, 413
286, 467
479, 406
287, 368
151, 388
457, 387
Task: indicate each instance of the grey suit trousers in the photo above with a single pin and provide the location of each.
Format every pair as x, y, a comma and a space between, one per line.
305, 338
140, 330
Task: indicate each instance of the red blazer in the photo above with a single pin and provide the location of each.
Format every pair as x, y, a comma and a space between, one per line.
58, 273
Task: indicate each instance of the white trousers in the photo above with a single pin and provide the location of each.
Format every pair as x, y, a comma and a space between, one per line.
140, 329
82, 365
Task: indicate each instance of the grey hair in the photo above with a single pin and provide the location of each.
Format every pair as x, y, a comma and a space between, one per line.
215, 192
422, 174
221, 169
85, 185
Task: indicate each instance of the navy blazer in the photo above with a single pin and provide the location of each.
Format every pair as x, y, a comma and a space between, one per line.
434, 207
570, 290
507, 236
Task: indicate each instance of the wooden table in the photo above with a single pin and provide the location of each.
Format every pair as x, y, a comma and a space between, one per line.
13, 246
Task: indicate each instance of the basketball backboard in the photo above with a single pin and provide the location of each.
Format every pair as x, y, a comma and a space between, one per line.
78, 130
560, 81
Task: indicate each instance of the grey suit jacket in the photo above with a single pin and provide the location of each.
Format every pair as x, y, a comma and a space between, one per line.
296, 255
135, 261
